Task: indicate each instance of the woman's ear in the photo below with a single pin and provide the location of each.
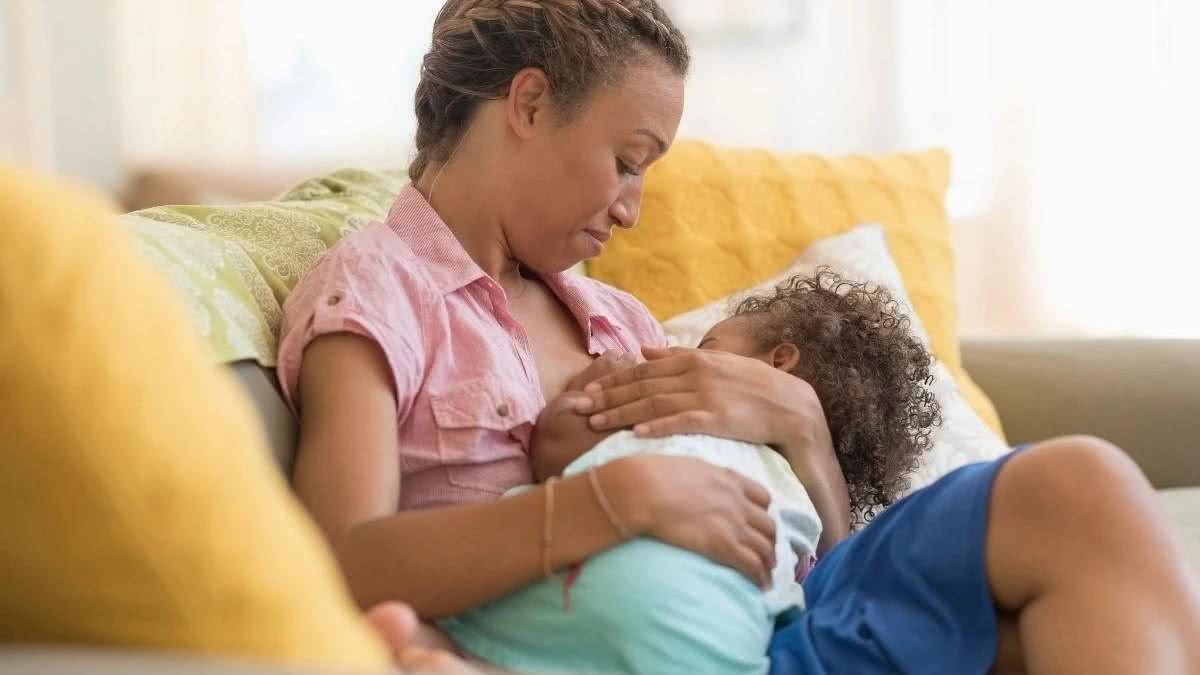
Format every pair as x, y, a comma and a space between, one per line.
528, 101
785, 357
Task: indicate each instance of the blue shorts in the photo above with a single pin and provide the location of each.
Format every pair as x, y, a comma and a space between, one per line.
906, 594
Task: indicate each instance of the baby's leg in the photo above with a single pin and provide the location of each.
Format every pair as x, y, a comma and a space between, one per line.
1078, 549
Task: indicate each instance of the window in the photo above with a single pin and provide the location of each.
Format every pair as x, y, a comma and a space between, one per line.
334, 82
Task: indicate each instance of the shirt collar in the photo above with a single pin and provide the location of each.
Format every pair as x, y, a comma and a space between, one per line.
582, 300
452, 268
431, 240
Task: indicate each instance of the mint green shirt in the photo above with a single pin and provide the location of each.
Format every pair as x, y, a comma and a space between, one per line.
648, 607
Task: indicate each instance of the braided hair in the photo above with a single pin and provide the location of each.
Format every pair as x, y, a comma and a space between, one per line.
480, 45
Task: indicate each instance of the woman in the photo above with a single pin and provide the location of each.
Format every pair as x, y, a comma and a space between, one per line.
419, 351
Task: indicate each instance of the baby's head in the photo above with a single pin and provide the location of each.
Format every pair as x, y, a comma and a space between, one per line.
854, 345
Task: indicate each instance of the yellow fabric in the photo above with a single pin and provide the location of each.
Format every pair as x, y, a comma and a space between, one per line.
715, 221
138, 503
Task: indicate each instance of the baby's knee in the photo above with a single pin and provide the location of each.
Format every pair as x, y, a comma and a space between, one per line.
1091, 460
1072, 476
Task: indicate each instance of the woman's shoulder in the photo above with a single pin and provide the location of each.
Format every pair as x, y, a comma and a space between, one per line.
373, 258
376, 243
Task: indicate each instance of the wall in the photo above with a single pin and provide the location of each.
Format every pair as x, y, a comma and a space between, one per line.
81, 53
826, 90
63, 112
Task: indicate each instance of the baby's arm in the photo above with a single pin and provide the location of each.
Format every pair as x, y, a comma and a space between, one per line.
561, 436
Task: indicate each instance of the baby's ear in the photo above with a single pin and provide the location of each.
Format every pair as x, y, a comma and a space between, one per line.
785, 357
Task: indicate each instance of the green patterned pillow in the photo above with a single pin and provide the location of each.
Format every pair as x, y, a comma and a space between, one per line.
235, 265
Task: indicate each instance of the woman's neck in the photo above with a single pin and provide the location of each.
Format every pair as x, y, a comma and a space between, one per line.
458, 194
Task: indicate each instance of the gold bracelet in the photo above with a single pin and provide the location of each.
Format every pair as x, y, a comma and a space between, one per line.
605, 506
548, 528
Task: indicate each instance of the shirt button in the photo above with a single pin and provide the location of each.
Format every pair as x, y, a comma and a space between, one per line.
502, 410
333, 300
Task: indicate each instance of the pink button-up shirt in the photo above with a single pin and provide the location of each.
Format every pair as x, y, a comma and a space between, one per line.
467, 388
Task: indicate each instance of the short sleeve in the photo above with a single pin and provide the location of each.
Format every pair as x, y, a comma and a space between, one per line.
365, 291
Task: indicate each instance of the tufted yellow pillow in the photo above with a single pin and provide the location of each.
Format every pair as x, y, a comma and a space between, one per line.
715, 221
139, 506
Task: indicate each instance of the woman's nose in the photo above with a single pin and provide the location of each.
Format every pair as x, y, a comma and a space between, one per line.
624, 211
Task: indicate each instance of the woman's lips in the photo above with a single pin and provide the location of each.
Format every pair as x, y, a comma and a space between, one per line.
601, 236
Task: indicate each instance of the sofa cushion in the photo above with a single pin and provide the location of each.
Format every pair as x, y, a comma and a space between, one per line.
235, 265
715, 221
139, 506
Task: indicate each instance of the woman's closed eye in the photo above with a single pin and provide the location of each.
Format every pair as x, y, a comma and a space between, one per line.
627, 169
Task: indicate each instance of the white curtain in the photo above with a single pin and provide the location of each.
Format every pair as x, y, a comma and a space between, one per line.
1073, 126
25, 127
186, 97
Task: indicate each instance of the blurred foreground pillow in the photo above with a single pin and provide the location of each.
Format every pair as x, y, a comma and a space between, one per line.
139, 506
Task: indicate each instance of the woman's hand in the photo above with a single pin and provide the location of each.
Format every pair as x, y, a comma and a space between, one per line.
690, 503
682, 390
708, 392
609, 362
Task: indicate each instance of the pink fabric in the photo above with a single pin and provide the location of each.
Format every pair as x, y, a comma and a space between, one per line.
467, 390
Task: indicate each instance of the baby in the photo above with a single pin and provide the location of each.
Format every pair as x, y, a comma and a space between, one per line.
646, 607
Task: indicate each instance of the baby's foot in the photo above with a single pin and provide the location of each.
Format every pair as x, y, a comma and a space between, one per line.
416, 646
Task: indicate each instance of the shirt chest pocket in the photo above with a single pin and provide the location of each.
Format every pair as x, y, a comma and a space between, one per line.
483, 434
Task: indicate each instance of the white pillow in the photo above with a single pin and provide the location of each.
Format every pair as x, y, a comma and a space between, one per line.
862, 255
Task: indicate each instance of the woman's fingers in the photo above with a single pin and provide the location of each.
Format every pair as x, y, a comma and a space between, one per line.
688, 422
748, 562
762, 522
755, 492
610, 361
764, 548
654, 407
672, 365
620, 395
653, 353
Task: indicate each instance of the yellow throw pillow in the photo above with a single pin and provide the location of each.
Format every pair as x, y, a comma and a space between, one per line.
139, 506
715, 221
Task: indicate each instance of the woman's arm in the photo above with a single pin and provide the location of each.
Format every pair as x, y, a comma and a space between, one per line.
697, 391
445, 561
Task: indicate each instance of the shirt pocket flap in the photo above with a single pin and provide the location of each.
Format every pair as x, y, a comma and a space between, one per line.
480, 404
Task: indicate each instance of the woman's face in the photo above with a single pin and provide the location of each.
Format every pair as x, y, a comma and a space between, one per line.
574, 182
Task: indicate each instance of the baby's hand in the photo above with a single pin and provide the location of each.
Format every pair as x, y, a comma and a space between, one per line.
561, 436
607, 363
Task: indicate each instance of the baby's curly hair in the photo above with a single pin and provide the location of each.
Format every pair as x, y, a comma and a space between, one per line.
870, 372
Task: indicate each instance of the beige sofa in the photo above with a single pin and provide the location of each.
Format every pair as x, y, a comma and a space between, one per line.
1143, 395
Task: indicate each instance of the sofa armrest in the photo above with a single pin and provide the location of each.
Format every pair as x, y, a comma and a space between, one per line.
1143, 395
280, 426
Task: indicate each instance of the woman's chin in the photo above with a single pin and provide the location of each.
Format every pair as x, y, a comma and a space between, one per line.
561, 260
547, 267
